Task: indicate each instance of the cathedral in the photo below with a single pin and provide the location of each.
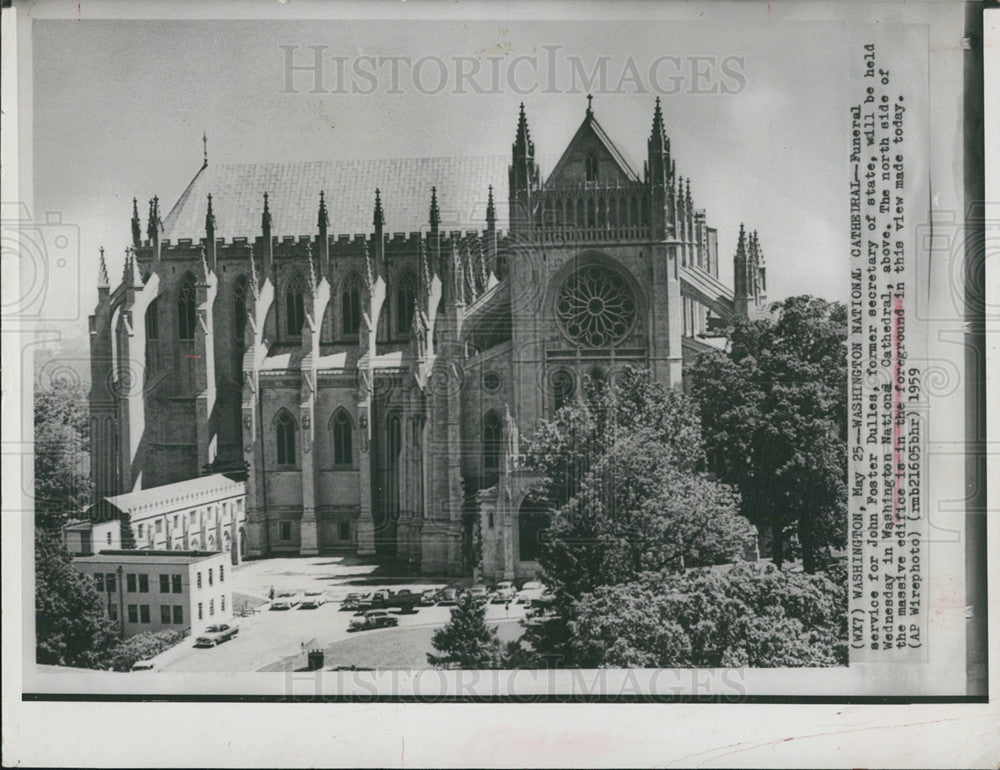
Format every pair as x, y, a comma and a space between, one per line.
366, 344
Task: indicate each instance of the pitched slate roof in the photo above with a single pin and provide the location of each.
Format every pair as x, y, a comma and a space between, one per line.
293, 195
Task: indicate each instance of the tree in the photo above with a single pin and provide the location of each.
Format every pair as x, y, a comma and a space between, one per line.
751, 614
619, 473
62, 441
466, 641
71, 628
774, 412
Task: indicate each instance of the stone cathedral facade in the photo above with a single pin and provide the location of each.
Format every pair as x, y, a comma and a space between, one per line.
367, 342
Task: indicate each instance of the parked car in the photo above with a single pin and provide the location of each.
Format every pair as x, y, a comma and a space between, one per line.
312, 600
373, 619
214, 635
480, 593
405, 599
281, 604
380, 598
428, 598
351, 602
144, 665
448, 597
530, 592
504, 592
290, 597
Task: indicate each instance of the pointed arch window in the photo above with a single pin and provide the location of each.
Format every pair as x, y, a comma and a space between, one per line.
152, 322
284, 430
350, 306
406, 295
295, 313
492, 442
590, 164
186, 309
343, 438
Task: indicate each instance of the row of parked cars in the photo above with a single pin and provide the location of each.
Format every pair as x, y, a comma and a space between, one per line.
531, 594
287, 600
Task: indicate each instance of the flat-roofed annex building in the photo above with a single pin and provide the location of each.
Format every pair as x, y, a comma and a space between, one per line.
161, 590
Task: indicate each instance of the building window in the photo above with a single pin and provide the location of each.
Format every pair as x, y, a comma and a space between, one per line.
406, 296
140, 531
176, 583
110, 583
285, 529
491, 382
186, 309
285, 435
199, 580
295, 313
210, 581
130, 583
152, 337
143, 613
595, 307
109, 537
199, 611
177, 521
144, 584
194, 516
178, 614
342, 438
350, 307
222, 574
563, 388
345, 531
165, 614
591, 167
492, 441
211, 606
222, 603
159, 525
164, 584
99, 580
133, 613
490, 519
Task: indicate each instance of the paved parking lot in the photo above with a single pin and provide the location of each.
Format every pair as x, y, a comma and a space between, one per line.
268, 639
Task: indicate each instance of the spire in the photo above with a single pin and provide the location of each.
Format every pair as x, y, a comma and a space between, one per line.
210, 218
136, 229
102, 272
313, 277
590, 106
523, 146
658, 130
435, 215
425, 272
254, 284
491, 211
128, 273
204, 261
740, 266
204, 149
154, 215
379, 218
324, 220
265, 218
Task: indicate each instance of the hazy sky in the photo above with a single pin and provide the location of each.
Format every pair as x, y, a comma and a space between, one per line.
120, 107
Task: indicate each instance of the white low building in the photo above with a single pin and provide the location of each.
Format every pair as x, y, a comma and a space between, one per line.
161, 590
82, 537
206, 513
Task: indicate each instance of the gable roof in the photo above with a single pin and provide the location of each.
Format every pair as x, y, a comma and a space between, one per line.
590, 125
349, 185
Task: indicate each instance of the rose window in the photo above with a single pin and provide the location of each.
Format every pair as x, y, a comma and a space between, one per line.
595, 307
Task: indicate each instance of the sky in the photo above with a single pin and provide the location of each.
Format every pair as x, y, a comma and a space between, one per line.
120, 108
